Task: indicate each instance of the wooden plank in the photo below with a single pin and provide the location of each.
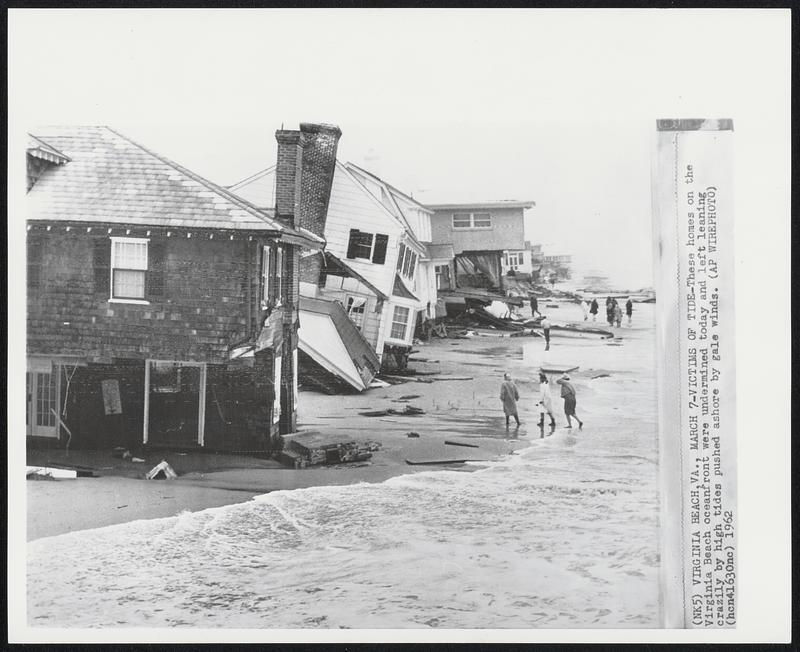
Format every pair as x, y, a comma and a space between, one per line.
558, 368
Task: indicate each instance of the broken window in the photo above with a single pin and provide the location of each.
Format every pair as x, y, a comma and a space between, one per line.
399, 323
128, 268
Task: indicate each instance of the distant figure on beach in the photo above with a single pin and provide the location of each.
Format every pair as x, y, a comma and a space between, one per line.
610, 311
629, 310
593, 309
617, 315
545, 324
509, 396
534, 305
585, 308
545, 401
568, 394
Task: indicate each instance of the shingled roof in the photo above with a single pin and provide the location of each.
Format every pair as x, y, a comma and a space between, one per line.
111, 179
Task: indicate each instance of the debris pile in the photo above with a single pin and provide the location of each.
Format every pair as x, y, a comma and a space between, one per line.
314, 448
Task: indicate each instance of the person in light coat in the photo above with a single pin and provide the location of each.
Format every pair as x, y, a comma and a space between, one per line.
585, 308
545, 401
509, 395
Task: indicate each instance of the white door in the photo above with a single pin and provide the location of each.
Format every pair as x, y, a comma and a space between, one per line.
42, 397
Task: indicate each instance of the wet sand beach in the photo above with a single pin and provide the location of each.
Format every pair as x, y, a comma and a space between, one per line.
563, 532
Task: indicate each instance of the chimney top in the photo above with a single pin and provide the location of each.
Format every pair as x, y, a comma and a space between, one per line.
320, 128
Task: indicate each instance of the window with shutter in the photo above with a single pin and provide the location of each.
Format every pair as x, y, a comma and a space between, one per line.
360, 244
379, 255
34, 262
265, 285
400, 256
155, 272
279, 276
102, 266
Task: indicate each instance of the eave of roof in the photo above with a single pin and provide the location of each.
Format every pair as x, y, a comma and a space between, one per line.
511, 203
337, 263
400, 289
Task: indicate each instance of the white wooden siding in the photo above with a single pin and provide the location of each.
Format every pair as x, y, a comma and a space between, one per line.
353, 207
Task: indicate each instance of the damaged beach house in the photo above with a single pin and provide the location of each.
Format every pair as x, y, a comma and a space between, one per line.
372, 284
163, 309
482, 236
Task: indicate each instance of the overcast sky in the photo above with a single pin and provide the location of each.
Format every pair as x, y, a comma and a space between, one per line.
554, 107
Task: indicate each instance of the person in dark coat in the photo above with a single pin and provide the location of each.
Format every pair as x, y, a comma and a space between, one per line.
509, 396
610, 311
534, 305
568, 394
629, 310
593, 308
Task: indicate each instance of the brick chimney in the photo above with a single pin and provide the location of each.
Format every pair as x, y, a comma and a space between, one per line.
319, 144
288, 172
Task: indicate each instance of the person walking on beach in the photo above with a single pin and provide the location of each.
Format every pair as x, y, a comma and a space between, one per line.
617, 315
568, 394
545, 324
610, 311
629, 310
593, 309
509, 396
545, 401
534, 305
585, 308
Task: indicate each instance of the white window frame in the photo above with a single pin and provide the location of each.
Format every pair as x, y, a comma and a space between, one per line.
371, 246
395, 321
472, 224
349, 300
112, 267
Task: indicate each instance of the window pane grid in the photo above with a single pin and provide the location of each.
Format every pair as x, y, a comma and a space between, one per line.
399, 321
130, 255
129, 284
